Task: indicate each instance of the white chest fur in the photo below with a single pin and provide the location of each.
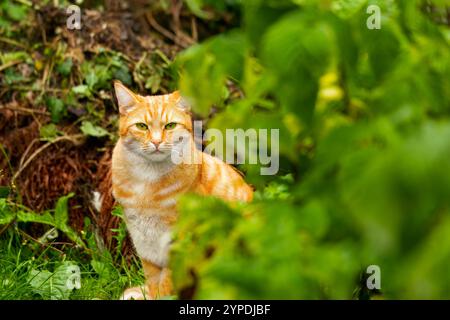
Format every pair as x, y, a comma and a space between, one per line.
151, 236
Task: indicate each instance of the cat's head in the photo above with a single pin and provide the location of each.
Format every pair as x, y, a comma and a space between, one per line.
153, 126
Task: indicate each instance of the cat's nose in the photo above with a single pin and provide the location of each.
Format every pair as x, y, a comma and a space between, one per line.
156, 144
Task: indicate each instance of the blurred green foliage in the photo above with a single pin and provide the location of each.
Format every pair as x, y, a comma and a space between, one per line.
364, 152
364, 135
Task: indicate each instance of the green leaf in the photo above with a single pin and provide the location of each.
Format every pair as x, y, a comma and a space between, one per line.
57, 108
65, 67
57, 285
82, 90
90, 129
216, 60
195, 6
104, 269
347, 8
12, 76
8, 57
62, 211
49, 131
298, 49
6, 214
16, 12
123, 74
45, 218
91, 79
383, 48
153, 83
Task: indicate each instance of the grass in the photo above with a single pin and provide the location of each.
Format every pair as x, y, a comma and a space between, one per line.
29, 270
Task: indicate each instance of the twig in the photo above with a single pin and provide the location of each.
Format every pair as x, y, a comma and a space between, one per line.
29, 88
13, 42
194, 29
40, 243
73, 138
175, 10
177, 5
158, 27
14, 187
47, 73
64, 243
155, 25
9, 64
41, 24
22, 159
3, 151
27, 110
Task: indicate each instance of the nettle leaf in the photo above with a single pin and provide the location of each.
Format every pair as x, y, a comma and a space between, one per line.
57, 109
195, 6
215, 61
89, 129
91, 79
6, 214
14, 56
62, 211
57, 285
16, 12
49, 132
65, 67
11, 76
82, 90
383, 48
45, 218
153, 82
347, 8
61, 218
123, 74
104, 269
260, 15
297, 49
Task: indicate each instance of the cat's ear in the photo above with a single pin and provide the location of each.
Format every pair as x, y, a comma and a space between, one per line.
181, 101
125, 97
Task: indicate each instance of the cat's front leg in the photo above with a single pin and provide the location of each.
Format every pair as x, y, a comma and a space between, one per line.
150, 290
152, 274
158, 281
165, 283
158, 284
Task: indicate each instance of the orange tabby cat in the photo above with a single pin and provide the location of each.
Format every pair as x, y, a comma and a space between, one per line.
147, 181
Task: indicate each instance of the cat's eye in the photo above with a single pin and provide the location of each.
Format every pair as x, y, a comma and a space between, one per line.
170, 126
141, 126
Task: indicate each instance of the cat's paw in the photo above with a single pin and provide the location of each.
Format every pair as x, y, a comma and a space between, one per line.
136, 293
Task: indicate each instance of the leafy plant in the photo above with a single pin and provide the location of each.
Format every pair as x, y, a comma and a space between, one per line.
58, 218
364, 129
57, 285
89, 129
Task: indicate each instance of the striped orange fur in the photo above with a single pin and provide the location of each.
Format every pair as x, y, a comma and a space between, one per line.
147, 183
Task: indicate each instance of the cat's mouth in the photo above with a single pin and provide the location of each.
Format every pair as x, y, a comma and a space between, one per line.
153, 151
158, 151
